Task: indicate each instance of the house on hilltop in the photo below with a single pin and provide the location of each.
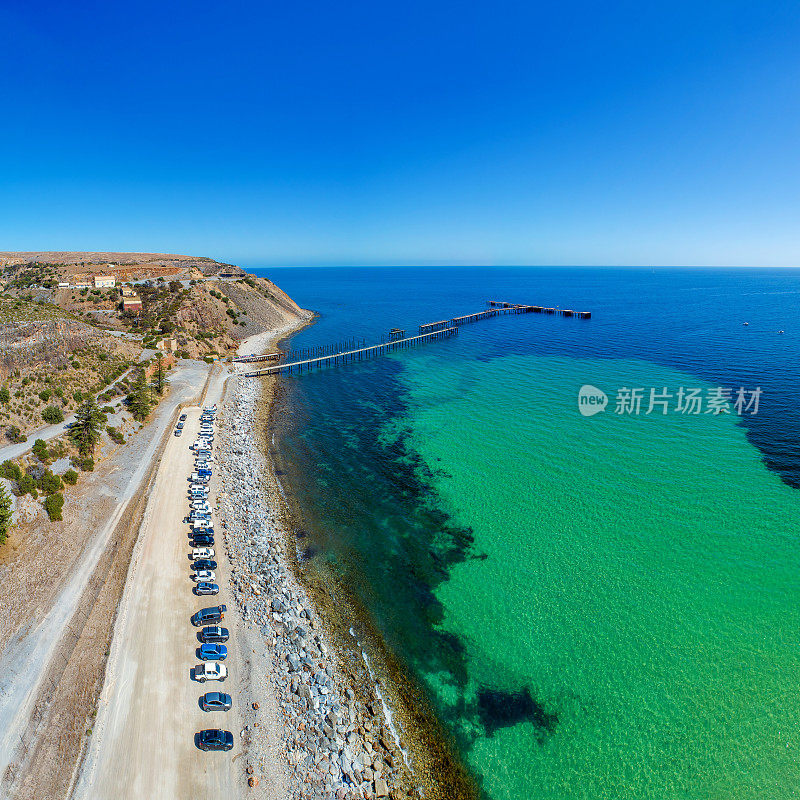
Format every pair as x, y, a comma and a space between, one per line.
132, 304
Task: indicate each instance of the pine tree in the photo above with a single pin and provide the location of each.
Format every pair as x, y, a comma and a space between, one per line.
159, 381
138, 398
5, 513
89, 421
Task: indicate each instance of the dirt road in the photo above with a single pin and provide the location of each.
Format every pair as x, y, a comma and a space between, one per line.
143, 741
30, 649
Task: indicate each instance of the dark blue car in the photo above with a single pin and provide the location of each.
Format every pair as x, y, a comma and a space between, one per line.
214, 739
206, 616
214, 633
204, 563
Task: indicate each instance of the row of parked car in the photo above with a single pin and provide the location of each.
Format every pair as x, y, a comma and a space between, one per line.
212, 636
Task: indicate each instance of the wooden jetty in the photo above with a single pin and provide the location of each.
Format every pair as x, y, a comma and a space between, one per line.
265, 357
504, 306
359, 354
430, 327
357, 350
477, 317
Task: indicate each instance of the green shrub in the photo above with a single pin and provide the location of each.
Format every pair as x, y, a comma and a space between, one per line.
53, 415
40, 450
115, 435
45, 395
70, 477
5, 395
10, 470
27, 485
52, 505
87, 464
14, 434
5, 514
50, 483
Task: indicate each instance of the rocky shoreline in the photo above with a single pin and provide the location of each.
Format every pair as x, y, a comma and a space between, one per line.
337, 735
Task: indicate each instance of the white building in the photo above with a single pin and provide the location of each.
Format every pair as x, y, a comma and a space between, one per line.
104, 281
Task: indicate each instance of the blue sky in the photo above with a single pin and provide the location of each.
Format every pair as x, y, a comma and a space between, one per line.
414, 133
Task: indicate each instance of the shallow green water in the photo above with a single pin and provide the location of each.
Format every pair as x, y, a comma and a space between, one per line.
633, 631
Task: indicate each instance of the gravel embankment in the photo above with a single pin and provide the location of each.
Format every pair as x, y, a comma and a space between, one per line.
336, 738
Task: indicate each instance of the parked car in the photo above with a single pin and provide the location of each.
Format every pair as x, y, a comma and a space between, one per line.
182, 417
178, 432
214, 739
203, 552
210, 671
204, 589
204, 575
180, 426
214, 633
207, 616
203, 540
213, 652
204, 563
216, 701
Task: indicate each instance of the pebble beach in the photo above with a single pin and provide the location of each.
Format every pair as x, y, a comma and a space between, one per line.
334, 733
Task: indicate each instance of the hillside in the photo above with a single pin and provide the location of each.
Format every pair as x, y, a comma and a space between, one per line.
127, 266
60, 341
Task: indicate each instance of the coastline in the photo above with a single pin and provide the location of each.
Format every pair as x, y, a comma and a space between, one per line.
353, 724
336, 733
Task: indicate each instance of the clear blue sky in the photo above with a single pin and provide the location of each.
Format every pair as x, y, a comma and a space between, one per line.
404, 133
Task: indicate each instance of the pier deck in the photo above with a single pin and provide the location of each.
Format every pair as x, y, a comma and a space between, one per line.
345, 353
359, 354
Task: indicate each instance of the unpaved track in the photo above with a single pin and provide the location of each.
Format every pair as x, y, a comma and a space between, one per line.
30, 654
142, 744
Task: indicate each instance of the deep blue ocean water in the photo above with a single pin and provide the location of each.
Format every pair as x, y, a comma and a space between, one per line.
596, 607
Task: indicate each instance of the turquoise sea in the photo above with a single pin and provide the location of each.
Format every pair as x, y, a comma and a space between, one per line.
597, 607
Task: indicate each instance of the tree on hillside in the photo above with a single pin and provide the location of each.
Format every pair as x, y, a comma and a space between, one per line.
138, 399
5, 513
89, 421
159, 378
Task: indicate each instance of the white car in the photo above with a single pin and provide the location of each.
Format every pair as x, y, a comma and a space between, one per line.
201, 505
201, 524
204, 575
210, 671
202, 552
